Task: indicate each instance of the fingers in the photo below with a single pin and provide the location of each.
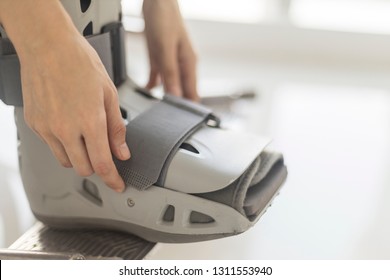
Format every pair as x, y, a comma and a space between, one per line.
170, 71
75, 112
154, 78
59, 151
177, 68
78, 155
88, 150
47, 136
89, 154
99, 153
188, 72
108, 139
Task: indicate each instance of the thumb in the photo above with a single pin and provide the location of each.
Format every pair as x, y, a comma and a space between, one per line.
116, 130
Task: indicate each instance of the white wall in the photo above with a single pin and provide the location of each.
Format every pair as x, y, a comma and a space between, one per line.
15, 214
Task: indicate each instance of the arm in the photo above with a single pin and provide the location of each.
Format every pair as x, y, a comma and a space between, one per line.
172, 58
69, 99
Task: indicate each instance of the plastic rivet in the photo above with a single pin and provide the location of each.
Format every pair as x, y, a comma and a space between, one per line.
130, 202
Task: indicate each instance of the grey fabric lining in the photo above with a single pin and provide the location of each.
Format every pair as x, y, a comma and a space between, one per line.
244, 194
259, 195
234, 194
153, 138
268, 160
10, 82
242, 186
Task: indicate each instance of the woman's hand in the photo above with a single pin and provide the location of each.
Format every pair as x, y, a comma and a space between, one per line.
172, 58
69, 99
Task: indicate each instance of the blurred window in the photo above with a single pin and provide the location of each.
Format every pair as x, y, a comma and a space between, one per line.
240, 11
248, 11
364, 16
245, 11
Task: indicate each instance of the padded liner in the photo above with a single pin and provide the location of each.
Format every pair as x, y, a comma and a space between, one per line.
259, 195
250, 193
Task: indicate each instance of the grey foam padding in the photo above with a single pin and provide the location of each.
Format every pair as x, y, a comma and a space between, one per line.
268, 160
90, 243
10, 81
153, 138
259, 195
253, 187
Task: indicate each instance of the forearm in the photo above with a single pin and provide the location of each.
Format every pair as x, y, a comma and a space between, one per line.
157, 8
160, 4
35, 25
172, 58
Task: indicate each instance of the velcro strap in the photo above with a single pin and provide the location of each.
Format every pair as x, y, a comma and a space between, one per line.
155, 135
10, 82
